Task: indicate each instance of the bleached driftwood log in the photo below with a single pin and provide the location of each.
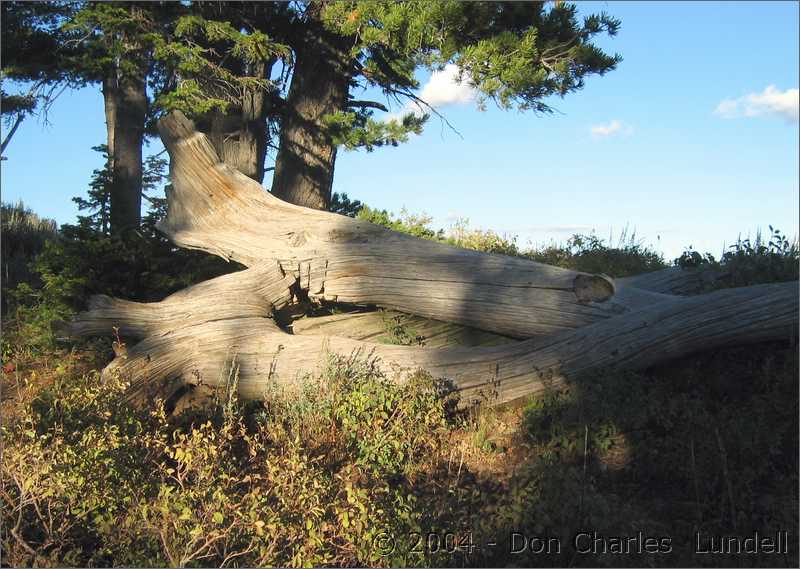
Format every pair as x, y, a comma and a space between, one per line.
257, 291
202, 348
575, 322
335, 258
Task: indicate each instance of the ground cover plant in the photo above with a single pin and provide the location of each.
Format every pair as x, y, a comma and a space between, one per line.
354, 469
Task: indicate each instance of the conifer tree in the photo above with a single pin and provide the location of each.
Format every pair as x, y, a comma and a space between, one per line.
515, 54
253, 72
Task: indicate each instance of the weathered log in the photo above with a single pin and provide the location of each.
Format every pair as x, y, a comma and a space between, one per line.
676, 280
383, 327
335, 258
576, 322
257, 291
264, 356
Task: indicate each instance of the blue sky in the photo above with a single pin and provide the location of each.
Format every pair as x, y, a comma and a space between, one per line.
691, 141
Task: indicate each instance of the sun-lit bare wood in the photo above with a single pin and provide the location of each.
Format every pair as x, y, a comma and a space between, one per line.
263, 355
335, 258
257, 291
574, 322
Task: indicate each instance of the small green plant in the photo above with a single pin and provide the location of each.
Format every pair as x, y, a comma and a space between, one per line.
748, 262
399, 332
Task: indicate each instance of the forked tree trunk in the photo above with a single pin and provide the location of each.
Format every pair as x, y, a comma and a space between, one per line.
576, 322
240, 135
320, 86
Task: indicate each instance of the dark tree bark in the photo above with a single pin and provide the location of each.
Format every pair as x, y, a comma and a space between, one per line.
320, 86
240, 136
110, 102
126, 104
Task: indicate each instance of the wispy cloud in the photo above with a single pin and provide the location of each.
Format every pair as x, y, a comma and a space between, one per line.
613, 128
770, 101
560, 228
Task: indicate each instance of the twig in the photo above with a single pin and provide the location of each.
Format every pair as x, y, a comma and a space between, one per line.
583, 480
724, 456
694, 478
420, 102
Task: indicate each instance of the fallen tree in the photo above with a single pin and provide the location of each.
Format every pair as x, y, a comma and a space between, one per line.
572, 322
199, 348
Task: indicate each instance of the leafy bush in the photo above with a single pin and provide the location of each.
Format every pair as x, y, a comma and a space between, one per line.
24, 236
416, 225
589, 253
304, 479
82, 262
461, 235
748, 263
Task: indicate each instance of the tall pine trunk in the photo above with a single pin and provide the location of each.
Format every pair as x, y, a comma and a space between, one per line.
130, 114
240, 135
320, 86
110, 102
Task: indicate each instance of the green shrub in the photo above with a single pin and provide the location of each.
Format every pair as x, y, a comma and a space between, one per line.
589, 253
416, 225
304, 479
24, 235
461, 235
748, 263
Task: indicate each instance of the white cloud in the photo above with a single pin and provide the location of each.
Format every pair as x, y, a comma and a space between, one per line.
442, 89
610, 129
770, 101
606, 129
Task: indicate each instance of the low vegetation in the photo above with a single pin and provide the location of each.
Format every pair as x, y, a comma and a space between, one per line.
355, 470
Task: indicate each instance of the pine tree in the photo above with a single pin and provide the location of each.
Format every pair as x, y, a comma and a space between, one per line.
515, 54
218, 62
98, 197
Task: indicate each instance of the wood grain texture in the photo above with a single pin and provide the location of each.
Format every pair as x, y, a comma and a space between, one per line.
374, 327
217, 209
256, 291
675, 280
263, 356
